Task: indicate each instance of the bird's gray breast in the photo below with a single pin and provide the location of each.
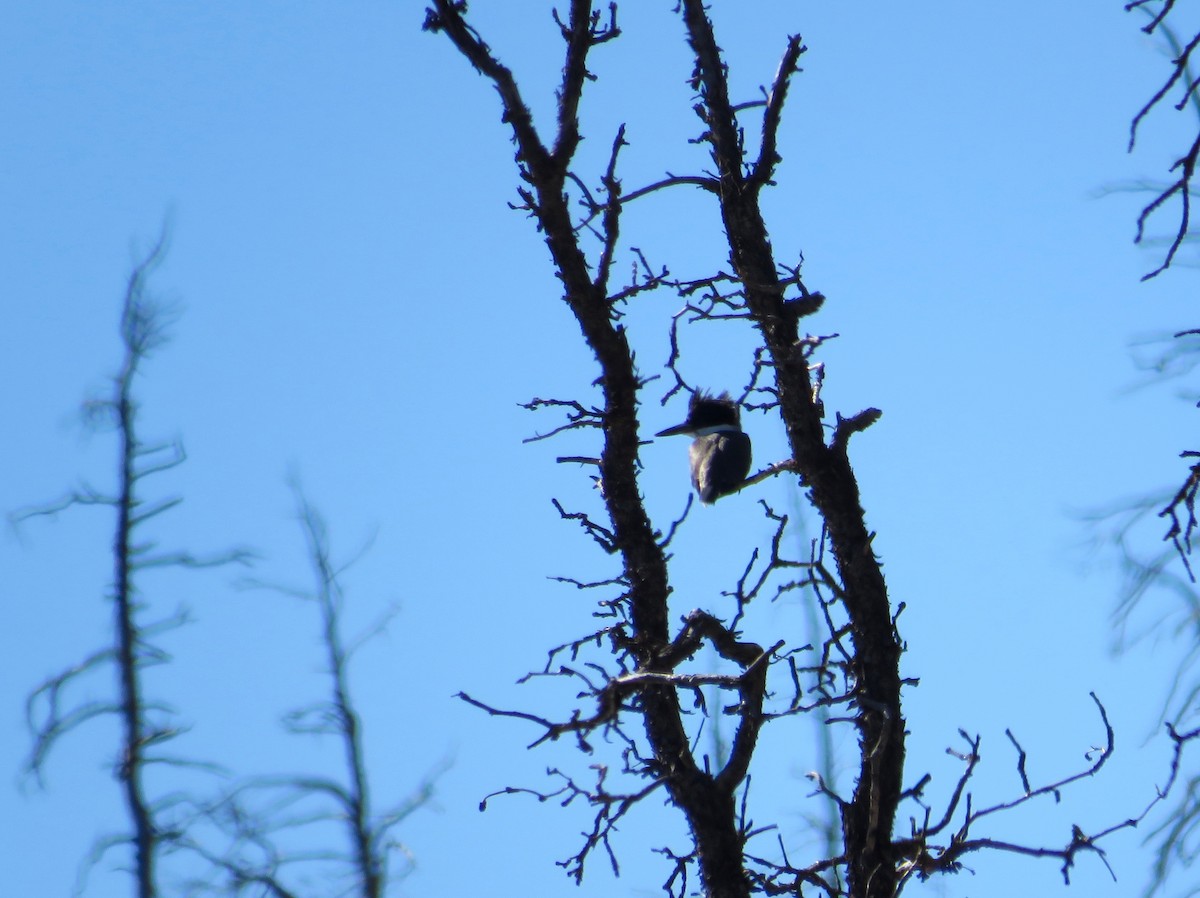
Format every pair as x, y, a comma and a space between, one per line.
720, 462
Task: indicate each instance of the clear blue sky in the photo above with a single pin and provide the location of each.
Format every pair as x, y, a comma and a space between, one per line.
359, 306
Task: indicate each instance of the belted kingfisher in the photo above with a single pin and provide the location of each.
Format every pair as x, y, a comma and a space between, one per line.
720, 451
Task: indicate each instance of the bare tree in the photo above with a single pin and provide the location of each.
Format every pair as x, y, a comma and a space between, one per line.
146, 724
252, 818
259, 815
638, 675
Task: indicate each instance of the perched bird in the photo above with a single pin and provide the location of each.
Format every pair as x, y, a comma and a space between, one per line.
720, 451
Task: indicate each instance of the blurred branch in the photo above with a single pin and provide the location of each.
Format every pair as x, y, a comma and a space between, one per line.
144, 723
256, 812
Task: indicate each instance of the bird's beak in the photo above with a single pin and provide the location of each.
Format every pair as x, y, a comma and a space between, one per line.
674, 431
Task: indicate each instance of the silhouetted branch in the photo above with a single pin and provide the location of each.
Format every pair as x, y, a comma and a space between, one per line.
768, 155
578, 416
1185, 165
924, 858
1184, 503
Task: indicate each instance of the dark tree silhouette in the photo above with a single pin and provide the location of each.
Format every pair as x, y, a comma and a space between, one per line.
641, 686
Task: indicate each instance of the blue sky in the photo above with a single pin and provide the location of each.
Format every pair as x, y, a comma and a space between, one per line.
358, 307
